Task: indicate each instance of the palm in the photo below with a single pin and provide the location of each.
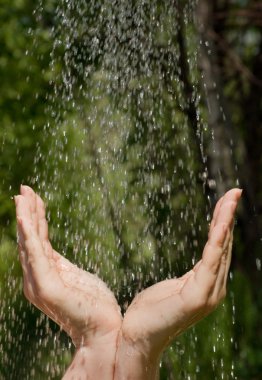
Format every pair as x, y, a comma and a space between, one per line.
92, 299
77, 300
92, 305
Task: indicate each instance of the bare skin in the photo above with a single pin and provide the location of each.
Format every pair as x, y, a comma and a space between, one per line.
75, 299
107, 345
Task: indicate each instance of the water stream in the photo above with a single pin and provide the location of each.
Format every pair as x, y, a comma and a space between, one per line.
125, 174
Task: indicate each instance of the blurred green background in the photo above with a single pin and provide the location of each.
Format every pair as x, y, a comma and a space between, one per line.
130, 131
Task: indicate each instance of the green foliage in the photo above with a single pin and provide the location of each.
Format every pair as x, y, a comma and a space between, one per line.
115, 154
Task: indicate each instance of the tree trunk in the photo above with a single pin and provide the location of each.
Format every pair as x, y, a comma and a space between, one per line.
221, 161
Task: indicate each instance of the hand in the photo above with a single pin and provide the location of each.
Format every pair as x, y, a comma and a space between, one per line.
75, 299
161, 312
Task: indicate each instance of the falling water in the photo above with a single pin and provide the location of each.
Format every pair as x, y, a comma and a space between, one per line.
125, 176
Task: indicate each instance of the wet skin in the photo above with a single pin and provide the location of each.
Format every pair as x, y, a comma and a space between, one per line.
109, 346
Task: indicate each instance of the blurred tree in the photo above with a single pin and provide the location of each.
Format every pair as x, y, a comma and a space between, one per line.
109, 110
230, 54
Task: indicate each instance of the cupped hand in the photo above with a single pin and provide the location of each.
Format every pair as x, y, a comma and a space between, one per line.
162, 311
77, 300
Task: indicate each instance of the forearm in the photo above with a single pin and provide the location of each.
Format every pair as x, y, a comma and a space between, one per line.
93, 362
134, 364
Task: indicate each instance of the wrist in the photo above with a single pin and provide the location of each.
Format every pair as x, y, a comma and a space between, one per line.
91, 338
135, 360
94, 360
146, 343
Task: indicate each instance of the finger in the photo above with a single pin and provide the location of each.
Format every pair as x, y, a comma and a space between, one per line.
46, 280
22, 207
229, 257
226, 214
231, 197
220, 286
29, 285
207, 271
215, 213
30, 195
212, 272
27, 277
22, 210
42, 225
